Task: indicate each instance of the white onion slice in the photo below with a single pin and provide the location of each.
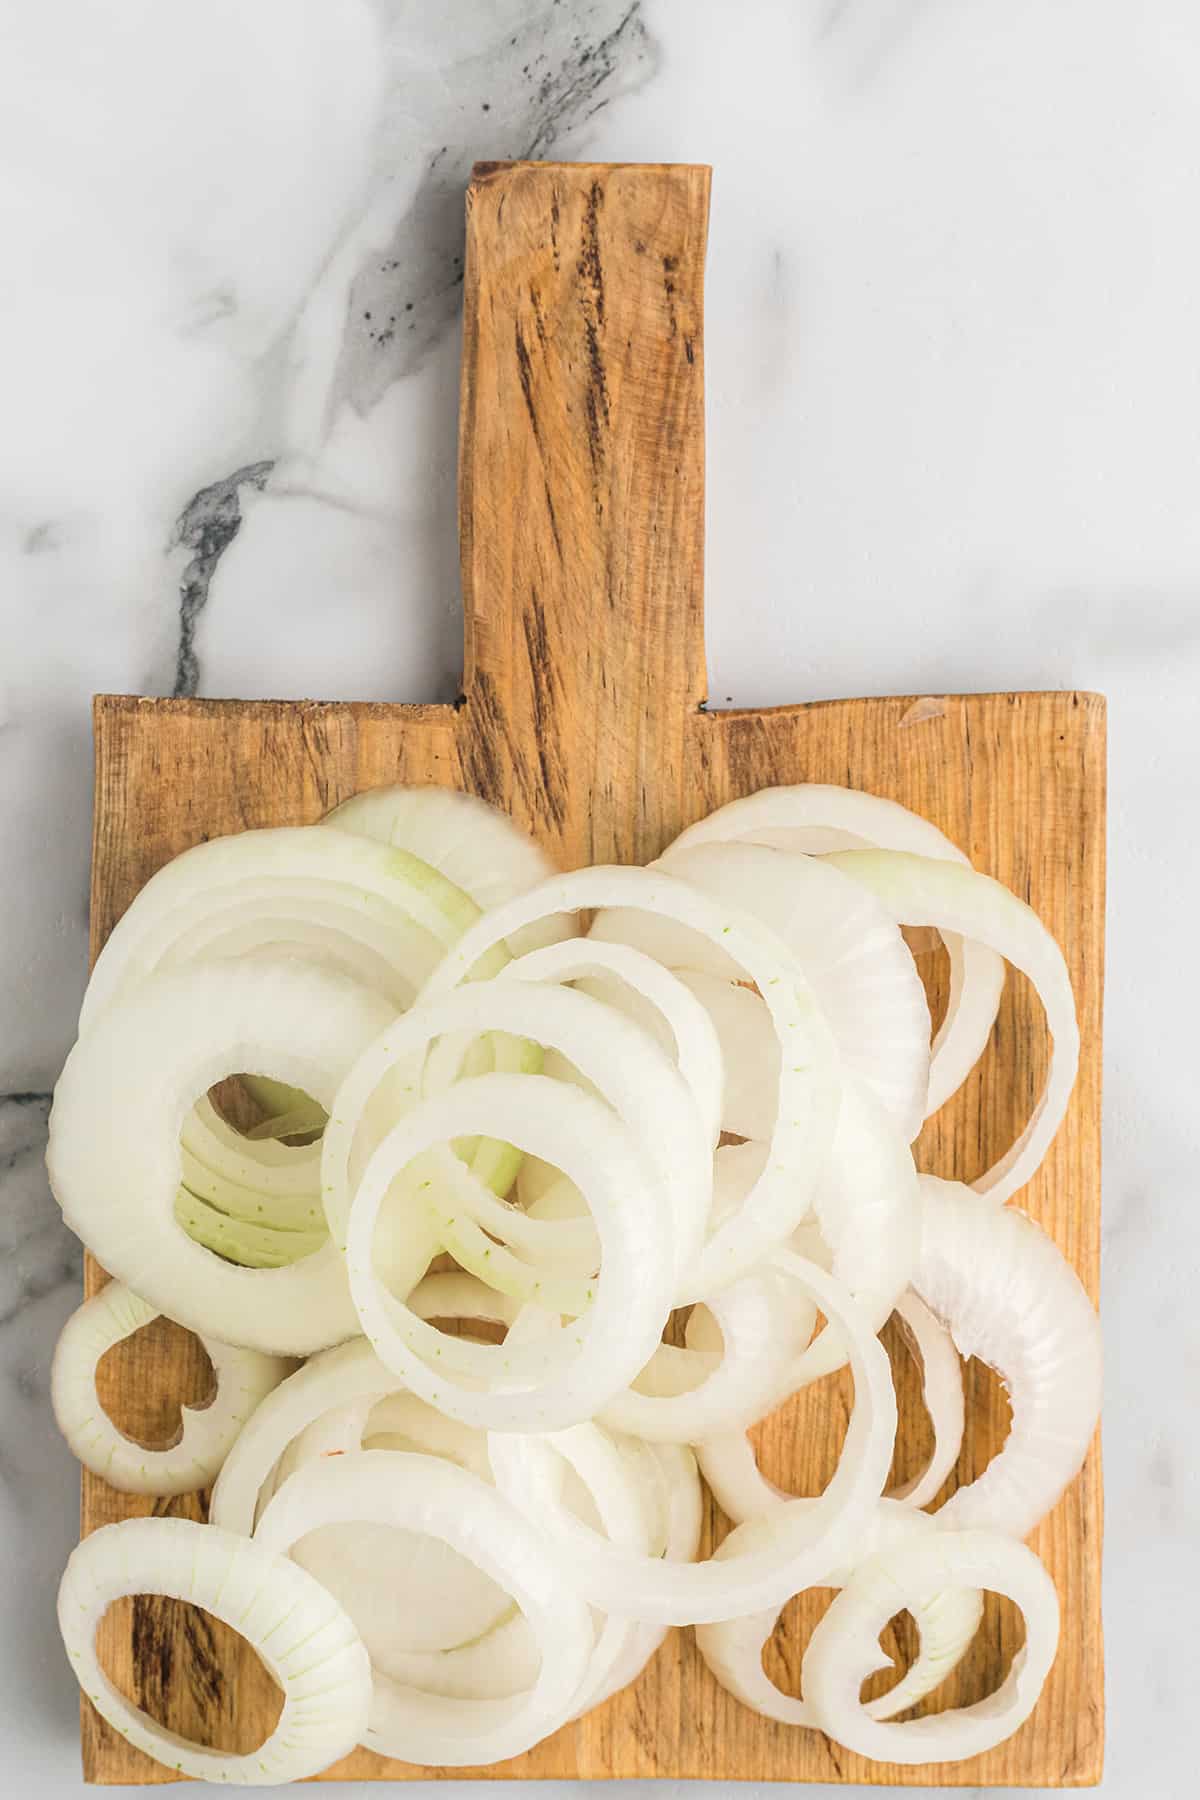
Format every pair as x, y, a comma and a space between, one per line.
451, 1294
762, 1562
566, 1244
977, 976
564, 1378
851, 951
300, 1632
377, 913
739, 1487
1008, 1296
946, 1623
921, 891
281, 1212
844, 1648
426, 1495
243, 1377
814, 819
473, 844
942, 1390
646, 1499
401, 1421
809, 1084
114, 1154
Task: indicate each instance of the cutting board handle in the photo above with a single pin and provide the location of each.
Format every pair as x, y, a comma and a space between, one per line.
581, 481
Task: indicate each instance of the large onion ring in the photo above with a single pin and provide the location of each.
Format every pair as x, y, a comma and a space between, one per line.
114, 1155
424, 1494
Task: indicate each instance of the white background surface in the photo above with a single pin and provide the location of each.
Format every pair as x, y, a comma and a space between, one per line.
954, 442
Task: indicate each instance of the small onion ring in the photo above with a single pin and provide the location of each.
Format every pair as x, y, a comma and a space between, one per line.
660, 1000
243, 1377
761, 1329
858, 965
843, 1650
946, 1623
300, 1632
541, 1390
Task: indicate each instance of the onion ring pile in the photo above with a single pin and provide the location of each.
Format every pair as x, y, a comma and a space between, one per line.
496, 1155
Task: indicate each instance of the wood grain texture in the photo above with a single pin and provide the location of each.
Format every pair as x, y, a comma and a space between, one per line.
582, 494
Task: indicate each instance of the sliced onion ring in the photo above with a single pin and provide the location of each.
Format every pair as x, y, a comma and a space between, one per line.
683, 1514
300, 1632
563, 1378
325, 1395
1008, 1295
921, 891
114, 1155
844, 1648
628, 1068
333, 1380
866, 1219
243, 1378
946, 1623
425, 1494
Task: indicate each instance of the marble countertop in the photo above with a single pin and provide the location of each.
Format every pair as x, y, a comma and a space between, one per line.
954, 443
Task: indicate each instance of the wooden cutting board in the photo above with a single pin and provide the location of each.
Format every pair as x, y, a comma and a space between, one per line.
583, 714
